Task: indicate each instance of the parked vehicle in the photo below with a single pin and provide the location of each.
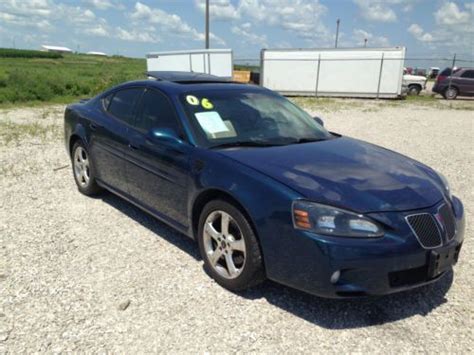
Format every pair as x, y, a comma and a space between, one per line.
216, 62
454, 83
433, 72
415, 83
264, 188
420, 71
341, 72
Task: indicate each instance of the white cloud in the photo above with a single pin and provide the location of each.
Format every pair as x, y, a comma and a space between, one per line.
450, 14
168, 23
219, 9
99, 4
375, 10
249, 37
136, 35
303, 17
454, 31
418, 32
359, 36
99, 30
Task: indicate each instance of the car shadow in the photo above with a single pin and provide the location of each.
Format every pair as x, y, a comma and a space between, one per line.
159, 228
327, 313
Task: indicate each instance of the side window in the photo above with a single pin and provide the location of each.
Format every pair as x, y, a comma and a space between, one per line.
123, 103
157, 112
468, 74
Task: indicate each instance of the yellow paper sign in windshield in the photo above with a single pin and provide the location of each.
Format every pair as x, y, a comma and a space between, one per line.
206, 104
192, 100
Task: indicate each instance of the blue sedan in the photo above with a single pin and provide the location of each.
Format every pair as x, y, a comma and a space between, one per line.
265, 189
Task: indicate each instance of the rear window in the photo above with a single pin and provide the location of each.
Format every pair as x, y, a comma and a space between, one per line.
446, 72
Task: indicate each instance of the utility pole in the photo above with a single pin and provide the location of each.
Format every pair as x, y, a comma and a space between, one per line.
337, 31
365, 42
207, 24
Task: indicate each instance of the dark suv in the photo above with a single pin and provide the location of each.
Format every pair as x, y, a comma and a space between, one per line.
462, 83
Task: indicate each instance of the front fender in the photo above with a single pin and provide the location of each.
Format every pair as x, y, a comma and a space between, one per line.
266, 201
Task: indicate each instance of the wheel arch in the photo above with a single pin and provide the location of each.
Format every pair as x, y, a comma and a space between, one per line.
214, 194
416, 84
72, 140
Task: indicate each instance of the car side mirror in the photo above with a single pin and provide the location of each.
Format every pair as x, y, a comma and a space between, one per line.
319, 120
161, 135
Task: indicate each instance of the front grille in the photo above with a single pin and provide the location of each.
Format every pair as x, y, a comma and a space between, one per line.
448, 221
425, 229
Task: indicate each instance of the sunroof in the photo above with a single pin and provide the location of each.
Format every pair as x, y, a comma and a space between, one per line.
186, 77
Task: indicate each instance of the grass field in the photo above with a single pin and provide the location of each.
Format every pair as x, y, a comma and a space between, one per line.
32, 80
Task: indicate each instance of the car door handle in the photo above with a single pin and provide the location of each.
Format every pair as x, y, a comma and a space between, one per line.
133, 146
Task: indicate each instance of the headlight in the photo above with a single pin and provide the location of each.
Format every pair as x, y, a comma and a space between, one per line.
447, 188
329, 220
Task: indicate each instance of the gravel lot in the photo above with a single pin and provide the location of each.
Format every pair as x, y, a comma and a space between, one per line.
86, 274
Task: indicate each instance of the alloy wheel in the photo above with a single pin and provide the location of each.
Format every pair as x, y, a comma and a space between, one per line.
81, 166
224, 244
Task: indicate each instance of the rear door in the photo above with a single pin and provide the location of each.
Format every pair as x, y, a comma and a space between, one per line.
466, 82
110, 141
158, 173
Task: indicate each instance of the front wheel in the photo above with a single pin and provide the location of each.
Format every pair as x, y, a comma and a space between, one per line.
414, 90
83, 170
229, 247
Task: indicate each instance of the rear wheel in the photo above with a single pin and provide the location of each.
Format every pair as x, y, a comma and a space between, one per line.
83, 170
229, 247
451, 93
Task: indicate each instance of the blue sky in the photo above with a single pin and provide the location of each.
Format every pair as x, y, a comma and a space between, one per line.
430, 28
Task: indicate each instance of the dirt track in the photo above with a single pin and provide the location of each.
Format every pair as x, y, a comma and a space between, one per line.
98, 274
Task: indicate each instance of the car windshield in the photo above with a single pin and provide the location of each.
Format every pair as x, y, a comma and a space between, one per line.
249, 118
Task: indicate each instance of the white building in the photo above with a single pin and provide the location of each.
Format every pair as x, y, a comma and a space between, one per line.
57, 49
102, 54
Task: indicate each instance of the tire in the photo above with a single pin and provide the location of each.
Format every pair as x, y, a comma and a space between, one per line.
83, 170
238, 245
414, 90
451, 93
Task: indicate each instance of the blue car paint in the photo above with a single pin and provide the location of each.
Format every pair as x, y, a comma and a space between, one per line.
348, 173
342, 172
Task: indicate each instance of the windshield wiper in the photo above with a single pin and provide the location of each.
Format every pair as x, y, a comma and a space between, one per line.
245, 144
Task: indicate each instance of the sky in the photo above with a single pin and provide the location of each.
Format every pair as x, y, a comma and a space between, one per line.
427, 28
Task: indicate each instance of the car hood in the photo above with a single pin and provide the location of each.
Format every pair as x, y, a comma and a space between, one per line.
347, 173
414, 77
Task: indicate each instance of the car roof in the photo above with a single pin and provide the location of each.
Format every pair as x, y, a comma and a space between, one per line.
185, 82
188, 77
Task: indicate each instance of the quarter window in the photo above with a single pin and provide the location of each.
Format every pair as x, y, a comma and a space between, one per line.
157, 112
123, 103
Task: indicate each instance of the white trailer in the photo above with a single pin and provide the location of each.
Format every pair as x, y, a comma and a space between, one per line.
217, 62
358, 72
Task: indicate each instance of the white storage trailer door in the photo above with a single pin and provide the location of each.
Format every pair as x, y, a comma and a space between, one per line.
217, 62
334, 72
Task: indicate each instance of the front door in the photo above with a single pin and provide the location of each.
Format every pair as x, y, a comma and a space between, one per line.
158, 173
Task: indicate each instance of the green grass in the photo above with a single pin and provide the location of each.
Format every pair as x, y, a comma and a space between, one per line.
24, 53
59, 80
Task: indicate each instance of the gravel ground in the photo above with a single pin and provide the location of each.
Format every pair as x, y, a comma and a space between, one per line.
87, 274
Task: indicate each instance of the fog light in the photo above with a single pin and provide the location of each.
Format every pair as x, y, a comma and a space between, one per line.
335, 276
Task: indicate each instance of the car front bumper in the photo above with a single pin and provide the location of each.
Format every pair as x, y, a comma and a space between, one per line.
335, 267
